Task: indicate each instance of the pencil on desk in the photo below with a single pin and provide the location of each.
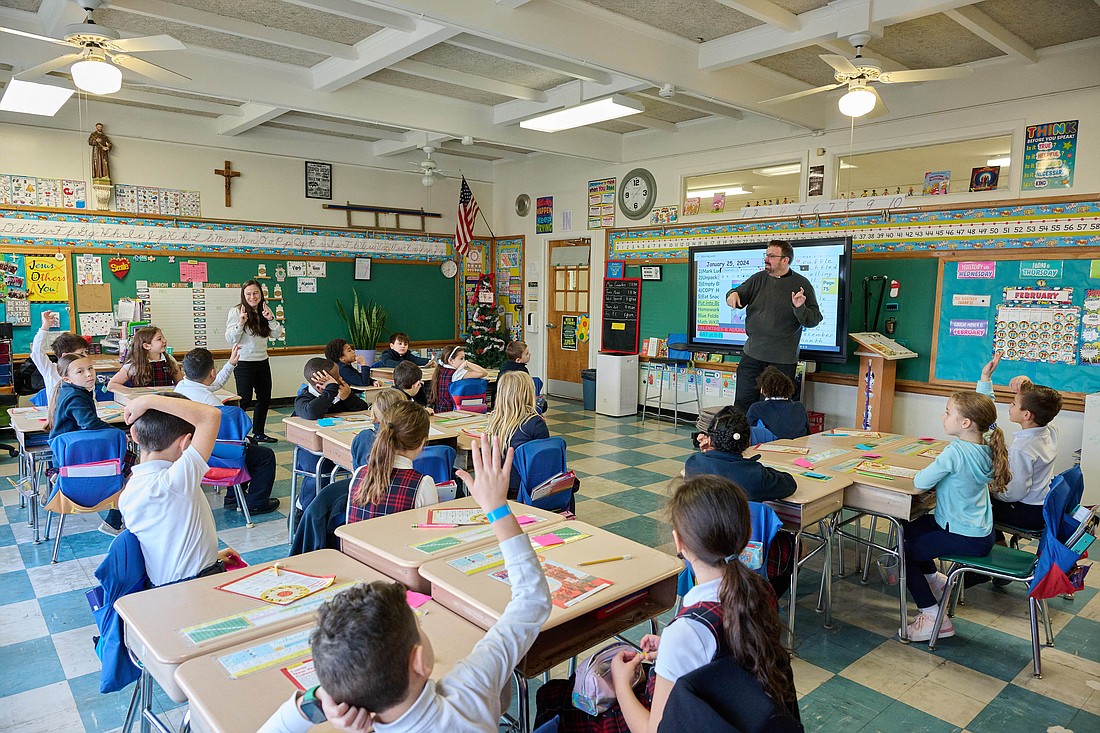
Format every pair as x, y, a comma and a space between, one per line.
603, 560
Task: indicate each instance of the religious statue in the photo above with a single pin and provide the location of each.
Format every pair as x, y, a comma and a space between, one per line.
101, 146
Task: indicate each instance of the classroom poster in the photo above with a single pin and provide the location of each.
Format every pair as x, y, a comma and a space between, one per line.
190, 203
74, 194
5, 189
985, 178
569, 326
24, 191
193, 271
936, 183
89, 270
1090, 328
601, 203
815, 183
96, 324
1037, 325
17, 311
170, 202
1050, 150
49, 192
47, 279
544, 215
664, 215
126, 198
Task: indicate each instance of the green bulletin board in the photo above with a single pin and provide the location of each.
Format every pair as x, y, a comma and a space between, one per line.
962, 348
418, 298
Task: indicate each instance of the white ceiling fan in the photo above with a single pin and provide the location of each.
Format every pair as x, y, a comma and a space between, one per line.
102, 53
428, 168
859, 73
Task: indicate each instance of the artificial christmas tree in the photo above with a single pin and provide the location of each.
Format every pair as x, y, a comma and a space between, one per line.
485, 345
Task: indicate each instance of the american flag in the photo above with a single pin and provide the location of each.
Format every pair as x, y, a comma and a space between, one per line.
467, 213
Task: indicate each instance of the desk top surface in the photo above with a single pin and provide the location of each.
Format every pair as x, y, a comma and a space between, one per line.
488, 596
215, 696
160, 616
838, 452
33, 419
393, 537
123, 394
445, 426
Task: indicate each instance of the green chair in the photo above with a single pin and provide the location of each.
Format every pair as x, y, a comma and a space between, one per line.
1010, 564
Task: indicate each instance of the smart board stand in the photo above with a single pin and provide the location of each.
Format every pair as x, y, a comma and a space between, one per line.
878, 358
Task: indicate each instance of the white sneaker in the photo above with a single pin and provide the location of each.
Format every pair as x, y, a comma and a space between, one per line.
921, 628
109, 530
937, 585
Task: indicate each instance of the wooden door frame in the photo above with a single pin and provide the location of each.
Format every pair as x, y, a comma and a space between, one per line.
548, 307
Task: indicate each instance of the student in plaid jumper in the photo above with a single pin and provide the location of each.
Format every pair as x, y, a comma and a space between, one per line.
389, 484
731, 611
149, 364
451, 368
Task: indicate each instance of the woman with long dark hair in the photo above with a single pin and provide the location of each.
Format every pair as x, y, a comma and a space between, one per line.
250, 325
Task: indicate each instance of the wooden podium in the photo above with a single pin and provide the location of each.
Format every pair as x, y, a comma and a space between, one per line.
878, 356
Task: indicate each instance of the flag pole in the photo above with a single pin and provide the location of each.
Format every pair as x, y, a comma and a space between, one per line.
491, 234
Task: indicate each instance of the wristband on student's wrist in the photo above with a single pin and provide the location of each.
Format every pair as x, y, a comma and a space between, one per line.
500, 512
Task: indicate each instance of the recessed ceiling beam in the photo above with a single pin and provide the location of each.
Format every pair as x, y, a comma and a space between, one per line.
353, 10
233, 26
994, 33
651, 122
533, 58
379, 51
470, 81
516, 3
835, 20
699, 105
250, 115
340, 127
766, 12
412, 140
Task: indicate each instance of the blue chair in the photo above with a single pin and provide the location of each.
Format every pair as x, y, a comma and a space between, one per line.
758, 434
536, 461
679, 357
40, 398
436, 461
1075, 485
470, 395
89, 478
227, 460
540, 401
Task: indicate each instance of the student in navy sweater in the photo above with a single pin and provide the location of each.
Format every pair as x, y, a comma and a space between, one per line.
784, 417
353, 368
72, 407
398, 352
729, 438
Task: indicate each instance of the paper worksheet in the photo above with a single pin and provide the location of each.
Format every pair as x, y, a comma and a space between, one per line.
266, 654
278, 585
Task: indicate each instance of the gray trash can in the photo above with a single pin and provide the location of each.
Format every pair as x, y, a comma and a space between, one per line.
588, 384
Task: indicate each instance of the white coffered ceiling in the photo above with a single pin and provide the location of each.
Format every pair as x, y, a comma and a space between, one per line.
398, 74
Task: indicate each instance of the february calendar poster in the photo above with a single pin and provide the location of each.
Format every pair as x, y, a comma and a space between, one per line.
1050, 150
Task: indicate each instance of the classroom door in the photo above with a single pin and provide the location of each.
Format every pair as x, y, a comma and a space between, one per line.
567, 288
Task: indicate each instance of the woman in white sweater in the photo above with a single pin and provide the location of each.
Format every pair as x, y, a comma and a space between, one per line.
249, 326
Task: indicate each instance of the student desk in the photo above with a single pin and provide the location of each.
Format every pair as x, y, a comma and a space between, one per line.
894, 499
385, 374
124, 395
155, 618
336, 440
29, 424
569, 631
220, 704
384, 543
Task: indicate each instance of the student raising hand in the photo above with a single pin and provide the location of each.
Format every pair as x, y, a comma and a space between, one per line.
489, 485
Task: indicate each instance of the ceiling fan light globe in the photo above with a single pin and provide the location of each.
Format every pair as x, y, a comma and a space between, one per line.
428, 180
96, 76
857, 102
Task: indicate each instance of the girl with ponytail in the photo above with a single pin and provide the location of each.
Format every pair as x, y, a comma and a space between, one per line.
963, 475
731, 610
389, 484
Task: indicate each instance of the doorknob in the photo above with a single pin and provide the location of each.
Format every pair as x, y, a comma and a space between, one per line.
551, 325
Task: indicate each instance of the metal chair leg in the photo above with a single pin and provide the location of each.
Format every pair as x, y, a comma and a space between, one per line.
1045, 610
57, 541
132, 709
1036, 650
239, 490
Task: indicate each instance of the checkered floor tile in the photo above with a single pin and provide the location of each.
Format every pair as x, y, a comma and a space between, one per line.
855, 676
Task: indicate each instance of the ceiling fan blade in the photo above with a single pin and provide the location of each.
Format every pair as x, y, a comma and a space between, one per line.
43, 69
842, 64
880, 109
947, 72
150, 70
37, 37
148, 43
798, 95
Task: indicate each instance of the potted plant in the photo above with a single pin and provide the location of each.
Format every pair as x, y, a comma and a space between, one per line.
365, 324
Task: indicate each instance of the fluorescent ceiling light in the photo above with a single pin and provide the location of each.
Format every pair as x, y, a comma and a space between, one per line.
601, 110
1004, 162
857, 102
96, 76
33, 98
729, 191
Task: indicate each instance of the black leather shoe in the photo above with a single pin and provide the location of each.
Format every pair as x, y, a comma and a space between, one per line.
264, 439
272, 505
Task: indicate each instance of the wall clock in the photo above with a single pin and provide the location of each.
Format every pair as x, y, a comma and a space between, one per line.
449, 268
637, 193
523, 204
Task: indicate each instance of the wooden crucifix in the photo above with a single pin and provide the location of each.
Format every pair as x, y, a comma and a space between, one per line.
228, 174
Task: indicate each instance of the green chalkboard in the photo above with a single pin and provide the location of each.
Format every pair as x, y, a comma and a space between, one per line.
914, 316
962, 350
664, 301
418, 298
